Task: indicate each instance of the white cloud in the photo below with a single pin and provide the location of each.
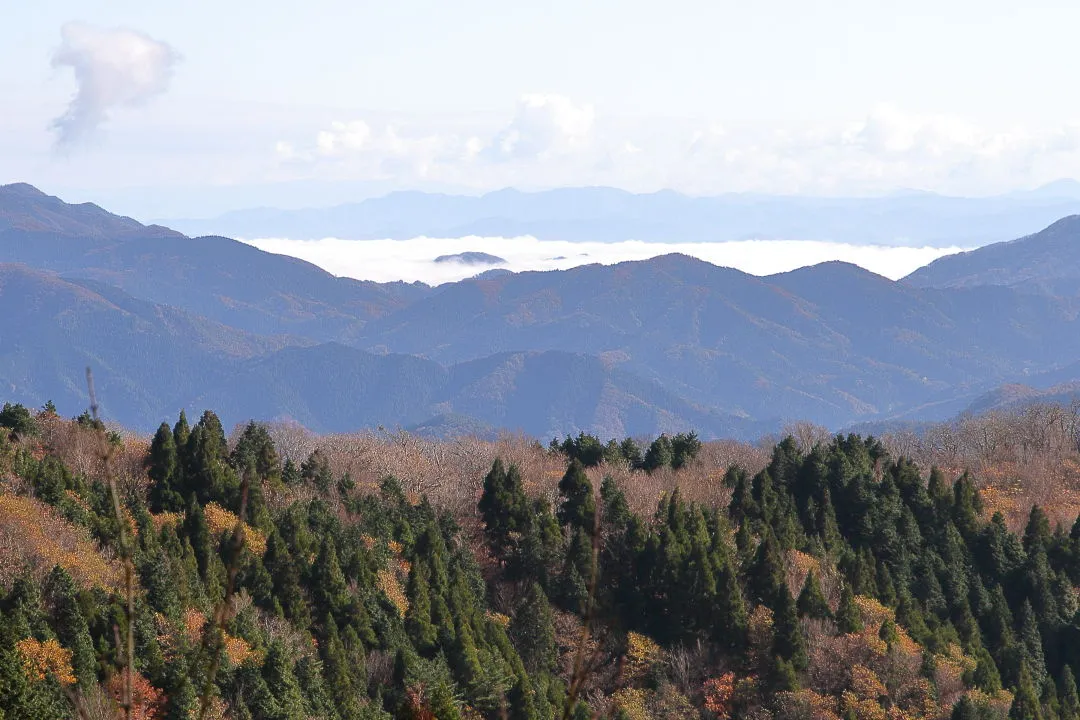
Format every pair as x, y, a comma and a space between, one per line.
544, 126
546, 129
113, 68
552, 141
343, 138
412, 260
285, 150
886, 150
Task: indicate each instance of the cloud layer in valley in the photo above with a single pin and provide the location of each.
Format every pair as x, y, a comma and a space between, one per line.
114, 67
414, 260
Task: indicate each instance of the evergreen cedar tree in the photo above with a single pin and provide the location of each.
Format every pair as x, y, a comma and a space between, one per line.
367, 605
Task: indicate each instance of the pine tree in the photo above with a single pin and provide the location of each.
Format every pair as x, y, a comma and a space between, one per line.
886, 588
744, 546
259, 702
631, 452
910, 616
163, 469
468, 669
418, 616
18, 420
782, 676
732, 616
888, 633
864, 578
964, 709
659, 454
986, 676
328, 581
578, 509
1031, 644
15, 688
1025, 704
316, 470
286, 579
848, 617
684, 448
697, 579
765, 576
207, 471
255, 451
1037, 533
198, 532
70, 623
1070, 701
19, 696
532, 630
812, 601
742, 505
355, 655
535, 556
290, 474
336, 669
577, 572
503, 506
788, 641
967, 506
162, 583
181, 432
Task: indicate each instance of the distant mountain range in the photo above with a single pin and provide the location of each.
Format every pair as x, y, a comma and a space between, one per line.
667, 344
608, 215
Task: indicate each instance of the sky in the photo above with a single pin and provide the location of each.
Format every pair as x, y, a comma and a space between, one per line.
190, 109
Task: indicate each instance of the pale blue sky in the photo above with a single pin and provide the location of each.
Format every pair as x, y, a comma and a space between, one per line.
826, 97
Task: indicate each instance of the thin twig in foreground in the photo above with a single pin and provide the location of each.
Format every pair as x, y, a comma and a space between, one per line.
127, 656
583, 666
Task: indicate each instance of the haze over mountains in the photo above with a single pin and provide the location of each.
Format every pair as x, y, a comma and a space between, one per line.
667, 344
611, 215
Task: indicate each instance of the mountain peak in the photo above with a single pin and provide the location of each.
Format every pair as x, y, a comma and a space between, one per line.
831, 265
20, 189
1048, 260
1061, 188
25, 207
1069, 223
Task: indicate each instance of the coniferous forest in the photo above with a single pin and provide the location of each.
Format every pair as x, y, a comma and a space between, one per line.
204, 576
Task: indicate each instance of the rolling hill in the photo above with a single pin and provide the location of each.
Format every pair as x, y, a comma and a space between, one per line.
830, 343
149, 360
1045, 262
669, 343
222, 279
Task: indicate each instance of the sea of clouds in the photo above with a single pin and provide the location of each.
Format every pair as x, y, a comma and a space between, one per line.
414, 260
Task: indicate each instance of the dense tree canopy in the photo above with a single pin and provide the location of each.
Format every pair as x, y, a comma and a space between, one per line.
835, 583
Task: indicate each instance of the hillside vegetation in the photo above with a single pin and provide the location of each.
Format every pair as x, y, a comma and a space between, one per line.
277, 574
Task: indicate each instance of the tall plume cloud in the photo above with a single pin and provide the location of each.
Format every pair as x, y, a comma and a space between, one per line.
114, 67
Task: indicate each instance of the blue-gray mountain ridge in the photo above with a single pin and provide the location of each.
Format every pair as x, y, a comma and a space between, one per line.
673, 343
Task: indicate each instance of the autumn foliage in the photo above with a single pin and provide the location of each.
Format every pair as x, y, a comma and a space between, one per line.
387, 575
34, 535
42, 659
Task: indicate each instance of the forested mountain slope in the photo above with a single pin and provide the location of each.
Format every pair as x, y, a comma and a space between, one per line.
1046, 262
148, 359
829, 343
664, 344
832, 584
222, 279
